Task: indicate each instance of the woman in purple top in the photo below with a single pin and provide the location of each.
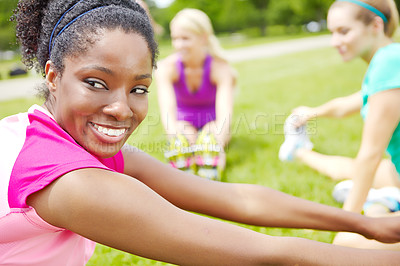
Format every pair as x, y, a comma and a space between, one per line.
195, 84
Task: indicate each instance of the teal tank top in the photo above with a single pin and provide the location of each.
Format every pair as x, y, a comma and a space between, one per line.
384, 74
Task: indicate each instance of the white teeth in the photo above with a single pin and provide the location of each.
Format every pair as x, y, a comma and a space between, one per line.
110, 131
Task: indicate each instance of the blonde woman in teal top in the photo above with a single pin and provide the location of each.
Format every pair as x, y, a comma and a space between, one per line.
362, 29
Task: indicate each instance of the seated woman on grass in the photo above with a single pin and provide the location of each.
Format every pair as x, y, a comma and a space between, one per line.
195, 90
360, 29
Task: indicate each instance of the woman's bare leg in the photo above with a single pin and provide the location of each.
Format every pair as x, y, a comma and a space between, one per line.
174, 153
188, 130
338, 167
386, 175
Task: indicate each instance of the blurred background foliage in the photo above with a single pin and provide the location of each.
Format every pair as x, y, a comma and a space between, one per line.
250, 17
247, 18
7, 32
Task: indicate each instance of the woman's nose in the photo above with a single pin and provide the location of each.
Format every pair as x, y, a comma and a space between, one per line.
119, 107
178, 44
335, 40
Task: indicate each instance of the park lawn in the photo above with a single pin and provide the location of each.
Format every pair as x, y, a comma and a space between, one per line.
268, 90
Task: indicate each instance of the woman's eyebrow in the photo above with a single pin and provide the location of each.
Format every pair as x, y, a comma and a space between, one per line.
144, 76
100, 68
110, 72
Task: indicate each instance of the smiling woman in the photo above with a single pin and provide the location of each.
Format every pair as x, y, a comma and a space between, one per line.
100, 101
67, 178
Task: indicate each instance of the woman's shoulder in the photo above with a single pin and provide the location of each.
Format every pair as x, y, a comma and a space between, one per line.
386, 59
168, 61
219, 61
221, 66
383, 70
389, 52
166, 68
393, 47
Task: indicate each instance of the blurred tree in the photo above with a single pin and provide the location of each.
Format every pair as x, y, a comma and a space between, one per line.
7, 32
298, 12
227, 16
398, 4
261, 6
6, 10
237, 15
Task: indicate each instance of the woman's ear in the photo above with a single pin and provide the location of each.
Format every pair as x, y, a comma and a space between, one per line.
378, 24
205, 39
51, 76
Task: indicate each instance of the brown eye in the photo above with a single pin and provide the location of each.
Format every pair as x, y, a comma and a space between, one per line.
95, 84
140, 90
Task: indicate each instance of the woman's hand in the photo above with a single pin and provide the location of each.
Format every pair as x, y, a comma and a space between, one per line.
302, 114
384, 229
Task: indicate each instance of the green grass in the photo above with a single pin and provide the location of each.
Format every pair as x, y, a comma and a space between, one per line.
17, 105
268, 90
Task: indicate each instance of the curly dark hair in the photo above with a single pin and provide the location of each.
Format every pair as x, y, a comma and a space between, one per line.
37, 19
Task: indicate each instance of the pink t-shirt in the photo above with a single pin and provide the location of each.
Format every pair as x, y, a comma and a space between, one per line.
34, 152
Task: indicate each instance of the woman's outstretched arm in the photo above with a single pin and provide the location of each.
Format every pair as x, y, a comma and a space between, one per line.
337, 108
251, 204
122, 212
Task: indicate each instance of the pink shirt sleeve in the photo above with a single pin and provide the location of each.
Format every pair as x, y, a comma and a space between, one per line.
48, 153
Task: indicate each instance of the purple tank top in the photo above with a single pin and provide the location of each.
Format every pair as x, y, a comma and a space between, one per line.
198, 107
